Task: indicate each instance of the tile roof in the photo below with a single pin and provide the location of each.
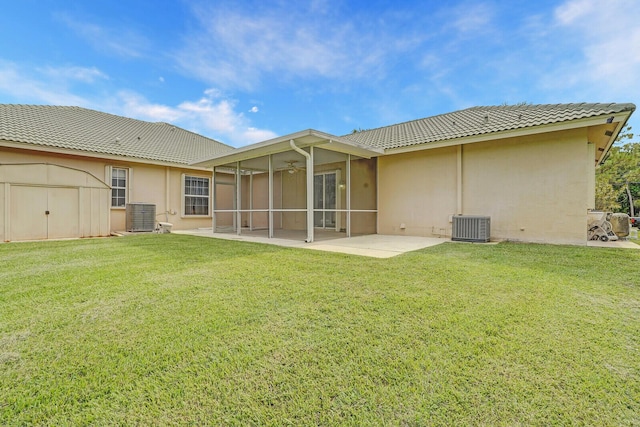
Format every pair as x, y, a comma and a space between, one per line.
81, 129
478, 121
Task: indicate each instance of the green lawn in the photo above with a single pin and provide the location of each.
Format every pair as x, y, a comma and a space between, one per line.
170, 329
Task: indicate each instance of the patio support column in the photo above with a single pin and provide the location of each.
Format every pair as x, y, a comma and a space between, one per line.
238, 199
309, 175
270, 214
213, 205
348, 196
251, 200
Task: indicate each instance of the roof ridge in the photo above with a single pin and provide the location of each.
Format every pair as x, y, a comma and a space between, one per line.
132, 119
630, 107
84, 129
480, 120
405, 123
190, 132
557, 105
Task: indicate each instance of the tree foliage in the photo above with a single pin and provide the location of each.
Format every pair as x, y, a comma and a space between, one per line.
618, 177
359, 130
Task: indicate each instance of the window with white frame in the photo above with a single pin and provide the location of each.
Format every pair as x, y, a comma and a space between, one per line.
196, 195
118, 187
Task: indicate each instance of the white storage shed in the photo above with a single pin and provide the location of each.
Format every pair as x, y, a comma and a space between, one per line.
43, 201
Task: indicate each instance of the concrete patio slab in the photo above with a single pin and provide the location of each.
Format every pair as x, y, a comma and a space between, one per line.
624, 244
374, 245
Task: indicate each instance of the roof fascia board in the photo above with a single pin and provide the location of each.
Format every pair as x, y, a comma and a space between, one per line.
613, 137
256, 152
533, 130
281, 144
350, 148
93, 155
343, 145
270, 146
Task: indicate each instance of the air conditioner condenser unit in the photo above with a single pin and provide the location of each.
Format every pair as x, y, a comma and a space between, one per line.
471, 228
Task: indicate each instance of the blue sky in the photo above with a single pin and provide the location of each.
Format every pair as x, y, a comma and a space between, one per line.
246, 71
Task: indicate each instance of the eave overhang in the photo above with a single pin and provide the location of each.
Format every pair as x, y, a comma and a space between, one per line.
621, 123
93, 155
618, 119
302, 139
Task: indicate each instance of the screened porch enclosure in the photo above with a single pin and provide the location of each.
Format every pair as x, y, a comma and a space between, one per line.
268, 195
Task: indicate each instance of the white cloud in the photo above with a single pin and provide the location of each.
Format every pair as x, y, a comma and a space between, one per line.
256, 135
117, 41
216, 114
574, 10
132, 104
471, 18
213, 114
233, 48
609, 40
81, 74
49, 87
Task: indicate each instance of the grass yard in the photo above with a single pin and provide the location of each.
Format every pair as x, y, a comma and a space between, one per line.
170, 329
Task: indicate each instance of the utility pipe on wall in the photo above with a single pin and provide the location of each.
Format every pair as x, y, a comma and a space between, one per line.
167, 193
309, 173
459, 180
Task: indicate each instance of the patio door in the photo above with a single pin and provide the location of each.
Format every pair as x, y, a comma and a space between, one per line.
325, 190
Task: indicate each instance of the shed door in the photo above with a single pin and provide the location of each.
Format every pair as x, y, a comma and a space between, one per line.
64, 213
27, 218
44, 213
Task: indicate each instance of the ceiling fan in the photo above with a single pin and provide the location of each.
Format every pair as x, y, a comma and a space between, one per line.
291, 166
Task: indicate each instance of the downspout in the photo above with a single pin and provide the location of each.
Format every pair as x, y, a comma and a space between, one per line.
309, 173
348, 194
238, 200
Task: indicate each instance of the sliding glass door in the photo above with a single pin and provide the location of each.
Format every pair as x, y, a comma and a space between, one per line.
324, 197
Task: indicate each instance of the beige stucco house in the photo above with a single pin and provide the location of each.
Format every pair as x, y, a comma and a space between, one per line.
529, 170
70, 172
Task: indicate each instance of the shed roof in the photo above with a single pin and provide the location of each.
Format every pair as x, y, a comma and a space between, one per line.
95, 132
480, 120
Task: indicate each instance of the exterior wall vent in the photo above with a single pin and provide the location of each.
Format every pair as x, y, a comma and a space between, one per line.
141, 217
471, 228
